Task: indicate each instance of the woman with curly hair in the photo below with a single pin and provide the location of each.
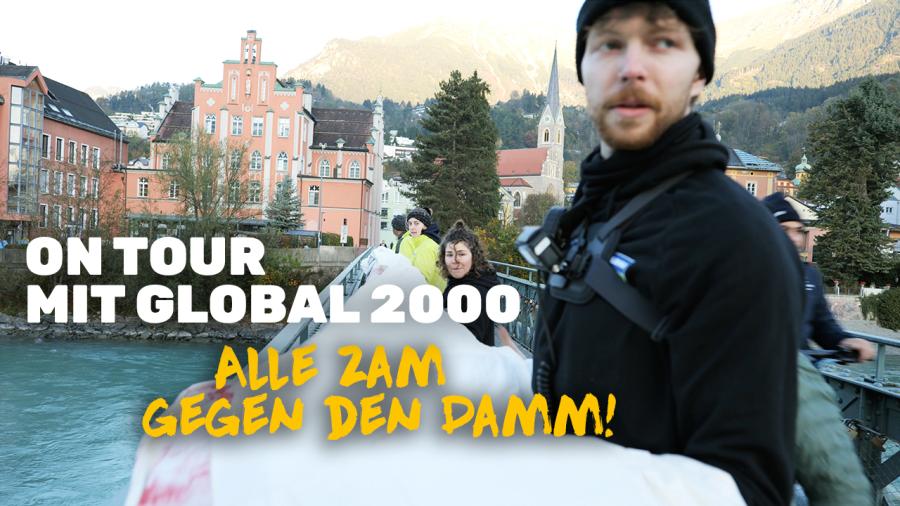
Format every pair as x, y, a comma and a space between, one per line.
463, 262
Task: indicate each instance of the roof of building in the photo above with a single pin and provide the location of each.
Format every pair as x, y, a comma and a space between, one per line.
738, 159
22, 71
177, 120
74, 107
354, 126
521, 162
514, 182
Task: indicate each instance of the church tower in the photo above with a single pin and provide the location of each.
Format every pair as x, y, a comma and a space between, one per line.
551, 128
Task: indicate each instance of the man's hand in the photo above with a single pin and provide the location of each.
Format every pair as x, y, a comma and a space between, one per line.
865, 349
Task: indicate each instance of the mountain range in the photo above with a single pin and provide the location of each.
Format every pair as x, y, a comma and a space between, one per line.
798, 43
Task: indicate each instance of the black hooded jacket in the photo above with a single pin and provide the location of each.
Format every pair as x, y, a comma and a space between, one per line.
720, 386
483, 327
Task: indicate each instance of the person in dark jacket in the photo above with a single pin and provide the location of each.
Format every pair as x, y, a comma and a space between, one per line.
716, 379
463, 262
433, 230
398, 223
818, 322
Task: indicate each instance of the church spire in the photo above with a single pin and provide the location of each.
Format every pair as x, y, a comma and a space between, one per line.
553, 89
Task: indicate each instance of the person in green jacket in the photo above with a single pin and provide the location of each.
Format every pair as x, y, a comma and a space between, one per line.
420, 249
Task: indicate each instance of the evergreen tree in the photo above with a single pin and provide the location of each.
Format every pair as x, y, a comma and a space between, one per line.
284, 211
856, 148
454, 171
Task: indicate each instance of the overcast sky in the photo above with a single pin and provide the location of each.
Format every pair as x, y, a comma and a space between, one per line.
111, 43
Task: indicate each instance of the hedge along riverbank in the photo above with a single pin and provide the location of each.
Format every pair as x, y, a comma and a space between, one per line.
883, 308
281, 269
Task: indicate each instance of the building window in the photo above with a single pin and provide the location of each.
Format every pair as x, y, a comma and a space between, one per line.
235, 191
547, 135
60, 147
247, 86
383, 225
384, 197
254, 191
263, 89
284, 127
558, 137
70, 183
256, 161
71, 216
517, 200
751, 187
235, 158
96, 159
84, 155
143, 187
354, 169
72, 151
237, 125
313, 196
45, 146
58, 183
84, 186
324, 169
233, 87
95, 187
384, 212
45, 181
281, 163
95, 218
165, 161
57, 216
43, 223
210, 123
256, 128
173, 190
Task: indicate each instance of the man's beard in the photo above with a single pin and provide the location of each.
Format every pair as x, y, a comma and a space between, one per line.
619, 138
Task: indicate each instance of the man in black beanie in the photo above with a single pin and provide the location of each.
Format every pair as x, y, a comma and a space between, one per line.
818, 322
398, 223
681, 305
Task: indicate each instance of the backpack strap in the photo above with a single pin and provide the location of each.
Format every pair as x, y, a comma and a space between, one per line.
604, 280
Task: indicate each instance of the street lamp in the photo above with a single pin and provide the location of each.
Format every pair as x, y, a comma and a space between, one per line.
322, 146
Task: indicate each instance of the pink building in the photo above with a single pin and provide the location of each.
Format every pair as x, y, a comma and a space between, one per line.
333, 156
60, 157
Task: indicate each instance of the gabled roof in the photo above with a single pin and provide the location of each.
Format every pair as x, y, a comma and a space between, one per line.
514, 182
354, 126
738, 159
74, 107
177, 120
521, 162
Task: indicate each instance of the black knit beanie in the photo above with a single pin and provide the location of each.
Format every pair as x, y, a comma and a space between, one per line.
399, 223
781, 209
421, 215
695, 13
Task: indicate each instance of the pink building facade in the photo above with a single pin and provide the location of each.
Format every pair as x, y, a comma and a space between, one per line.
332, 156
60, 159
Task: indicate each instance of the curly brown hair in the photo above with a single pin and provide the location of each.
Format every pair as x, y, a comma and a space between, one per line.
459, 232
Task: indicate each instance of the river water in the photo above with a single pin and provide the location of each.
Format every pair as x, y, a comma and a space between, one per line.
70, 413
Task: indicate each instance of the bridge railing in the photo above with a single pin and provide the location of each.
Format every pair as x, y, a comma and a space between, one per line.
869, 398
352, 277
522, 330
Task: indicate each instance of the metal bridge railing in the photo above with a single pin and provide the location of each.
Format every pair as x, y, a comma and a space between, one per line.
352, 277
522, 330
869, 398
